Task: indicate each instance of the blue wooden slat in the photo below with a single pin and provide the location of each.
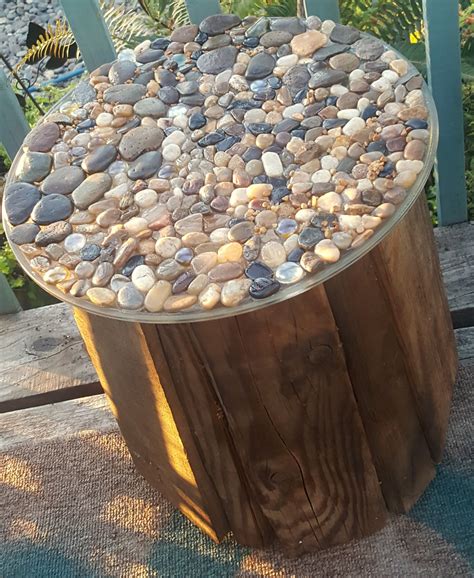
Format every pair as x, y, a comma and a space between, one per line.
90, 31
8, 301
200, 9
444, 76
13, 125
325, 9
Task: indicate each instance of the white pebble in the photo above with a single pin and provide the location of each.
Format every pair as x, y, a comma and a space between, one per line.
146, 198
272, 164
171, 152
143, 278
353, 126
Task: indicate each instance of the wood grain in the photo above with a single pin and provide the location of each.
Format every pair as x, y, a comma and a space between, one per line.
408, 268
43, 359
165, 455
285, 392
191, 390
456, 253
394, 345
57, 421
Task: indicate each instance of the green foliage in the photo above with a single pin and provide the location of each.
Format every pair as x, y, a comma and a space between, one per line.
392, 20
468, 98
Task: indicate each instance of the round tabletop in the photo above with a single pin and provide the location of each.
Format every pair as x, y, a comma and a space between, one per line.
272, 154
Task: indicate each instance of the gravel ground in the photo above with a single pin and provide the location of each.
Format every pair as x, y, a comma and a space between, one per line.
14, 18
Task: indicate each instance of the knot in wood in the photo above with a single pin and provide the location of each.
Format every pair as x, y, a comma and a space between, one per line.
320, 354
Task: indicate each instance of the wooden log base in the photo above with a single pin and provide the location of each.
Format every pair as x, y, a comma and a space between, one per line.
300, 424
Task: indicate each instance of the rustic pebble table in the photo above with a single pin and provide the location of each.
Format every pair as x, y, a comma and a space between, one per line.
237, 215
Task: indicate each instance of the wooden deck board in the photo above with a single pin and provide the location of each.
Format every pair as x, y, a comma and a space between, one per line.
43, 359
55, 421
456, 255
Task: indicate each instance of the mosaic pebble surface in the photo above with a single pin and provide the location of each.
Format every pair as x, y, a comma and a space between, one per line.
220, 165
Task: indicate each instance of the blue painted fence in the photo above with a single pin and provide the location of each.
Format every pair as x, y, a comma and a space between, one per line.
444, 73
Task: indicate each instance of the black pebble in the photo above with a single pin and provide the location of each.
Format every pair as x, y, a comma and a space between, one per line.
263, 287
131, 264
257, 269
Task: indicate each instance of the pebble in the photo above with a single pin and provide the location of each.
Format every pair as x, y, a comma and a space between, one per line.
101, 296
42, 138
91, 190
139, 140
124, 93
289, 273
307, 43
33, 167
23, 234
50, 209
210, 296
157, 295
273, 254
197, 186
260, 66
63, 181
264, 287
217, 60
179, 302
99, 159
20, 198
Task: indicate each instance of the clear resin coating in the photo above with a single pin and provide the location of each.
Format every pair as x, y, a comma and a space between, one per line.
225, 168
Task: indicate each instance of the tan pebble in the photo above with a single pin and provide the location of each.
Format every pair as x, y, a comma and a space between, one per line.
179, 302
405, 179
266, 219
135, 225
370, 221
259, 191
225, 272
229, 252
308, 42
330, 202
166, 247
235, 291
384, 210
327, 251
204, 262
101, 296
157, 295
210, 296
362, 238
198, 284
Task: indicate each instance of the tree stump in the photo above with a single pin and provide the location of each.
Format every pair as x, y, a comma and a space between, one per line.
302, 423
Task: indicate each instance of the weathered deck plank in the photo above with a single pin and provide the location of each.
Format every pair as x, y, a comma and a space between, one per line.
55, 421
43, 359
456, 254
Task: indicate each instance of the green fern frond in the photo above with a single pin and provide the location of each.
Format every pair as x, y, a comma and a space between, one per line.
126, 26
179, 14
